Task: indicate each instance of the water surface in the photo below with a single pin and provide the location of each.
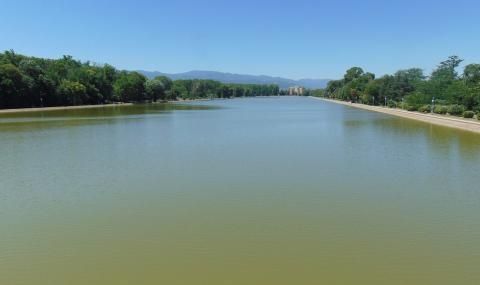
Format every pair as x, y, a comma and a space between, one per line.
245, 191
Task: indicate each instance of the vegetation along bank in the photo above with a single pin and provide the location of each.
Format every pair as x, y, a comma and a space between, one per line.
30, 82
444, 91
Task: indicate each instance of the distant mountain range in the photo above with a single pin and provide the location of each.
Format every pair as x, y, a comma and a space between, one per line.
241, 78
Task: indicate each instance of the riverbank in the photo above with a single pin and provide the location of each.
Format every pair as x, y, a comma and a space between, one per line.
470, 125
59, 108
41, 109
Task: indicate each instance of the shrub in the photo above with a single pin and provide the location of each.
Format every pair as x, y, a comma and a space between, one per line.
424, 108
468, 114
440, 109
403, 105
456, 110
411, 107
391, 104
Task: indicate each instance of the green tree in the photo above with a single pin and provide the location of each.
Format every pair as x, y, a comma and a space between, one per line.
353, 73
129, 87
12, 86
30, 82
471, 74
178, 90
372, 93
155, 90
74, 93
447, 69
167, 82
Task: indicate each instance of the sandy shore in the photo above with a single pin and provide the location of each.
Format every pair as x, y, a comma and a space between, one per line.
471, 125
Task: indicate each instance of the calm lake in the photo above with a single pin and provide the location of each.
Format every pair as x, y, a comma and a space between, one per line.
244, 191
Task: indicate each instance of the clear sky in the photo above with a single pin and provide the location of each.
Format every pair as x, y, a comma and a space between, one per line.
295, 39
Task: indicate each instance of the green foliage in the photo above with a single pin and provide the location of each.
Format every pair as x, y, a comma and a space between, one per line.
167, 82
471, 74
372, 92
74, 93
33, 82
411, 107
351, 87
155, 90
424, 109
455, 92
37, 82
412, 87
129, 87
178, 91
440, 109
196, 88
416, 98
11, 84
446, 71
456, 110
468, 114
317, 92
353, 73
392, 104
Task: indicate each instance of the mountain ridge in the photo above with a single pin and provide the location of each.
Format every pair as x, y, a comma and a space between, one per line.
226, 77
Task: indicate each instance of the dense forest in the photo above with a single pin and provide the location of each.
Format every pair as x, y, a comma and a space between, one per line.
37, 82
444, 91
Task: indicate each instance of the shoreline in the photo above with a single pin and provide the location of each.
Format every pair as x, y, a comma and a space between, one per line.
61, 108
470, 125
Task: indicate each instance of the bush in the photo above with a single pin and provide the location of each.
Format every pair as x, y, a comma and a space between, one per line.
456, 110
391, 104
468, 114
424, 108
440, 109
411, 107
403, 105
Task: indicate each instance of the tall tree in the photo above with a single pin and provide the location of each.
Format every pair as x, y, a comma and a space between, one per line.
155, 90
74, 93
12, 86
130, 87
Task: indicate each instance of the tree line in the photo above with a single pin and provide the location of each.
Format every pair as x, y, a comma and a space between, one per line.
443, 91
27, 81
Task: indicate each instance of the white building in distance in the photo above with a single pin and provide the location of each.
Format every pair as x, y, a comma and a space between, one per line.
296, 90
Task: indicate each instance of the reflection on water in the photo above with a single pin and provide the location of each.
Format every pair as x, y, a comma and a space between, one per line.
244, 191
433, 137
73, 117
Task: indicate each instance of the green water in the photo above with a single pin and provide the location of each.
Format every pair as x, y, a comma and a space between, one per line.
244, 191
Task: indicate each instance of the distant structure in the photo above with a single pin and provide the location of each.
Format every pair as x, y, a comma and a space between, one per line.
296, 90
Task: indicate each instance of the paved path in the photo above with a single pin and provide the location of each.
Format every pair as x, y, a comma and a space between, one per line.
471, 125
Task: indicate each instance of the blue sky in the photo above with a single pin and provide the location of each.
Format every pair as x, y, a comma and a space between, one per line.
295, 39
